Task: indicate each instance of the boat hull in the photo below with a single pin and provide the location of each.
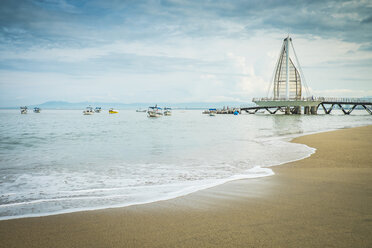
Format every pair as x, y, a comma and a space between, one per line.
152, 114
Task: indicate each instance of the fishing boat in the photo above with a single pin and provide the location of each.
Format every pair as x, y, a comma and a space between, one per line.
112, 111
88, 111
167, 111
23, 110
37, 110
212, 112
154, 111
141, 110
98, 109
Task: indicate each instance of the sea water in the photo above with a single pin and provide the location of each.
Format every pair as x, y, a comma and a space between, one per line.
62, 161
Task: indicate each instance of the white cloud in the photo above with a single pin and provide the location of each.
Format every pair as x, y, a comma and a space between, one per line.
209, 69
319, 51
249, 83
343, 93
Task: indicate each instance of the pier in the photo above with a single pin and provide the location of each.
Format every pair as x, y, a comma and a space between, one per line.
341, 102
308, 105
288, 86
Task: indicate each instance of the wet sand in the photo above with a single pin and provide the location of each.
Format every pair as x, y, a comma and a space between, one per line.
322, 201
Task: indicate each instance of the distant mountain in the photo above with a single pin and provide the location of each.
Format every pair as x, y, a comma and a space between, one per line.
104, 105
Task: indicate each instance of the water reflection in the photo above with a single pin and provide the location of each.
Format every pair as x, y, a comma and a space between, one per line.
287, 124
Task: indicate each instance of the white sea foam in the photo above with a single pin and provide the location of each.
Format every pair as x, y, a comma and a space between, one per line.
255, 172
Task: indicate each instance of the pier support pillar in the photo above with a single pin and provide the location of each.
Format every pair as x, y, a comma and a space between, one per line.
287, 110
366, 108
297, 110
306, 110
313, 110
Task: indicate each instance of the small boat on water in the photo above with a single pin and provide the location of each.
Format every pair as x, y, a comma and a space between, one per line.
37, 110
212, 112
112, 111
154, 111
167, 111
23, 110
98, 110
88, 111
141, 110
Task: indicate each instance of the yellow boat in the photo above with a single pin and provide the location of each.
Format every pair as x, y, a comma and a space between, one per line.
112, 111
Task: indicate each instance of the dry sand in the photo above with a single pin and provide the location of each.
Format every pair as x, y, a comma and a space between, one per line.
321, 201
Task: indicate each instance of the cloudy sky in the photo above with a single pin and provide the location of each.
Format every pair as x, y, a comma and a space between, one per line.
178, 51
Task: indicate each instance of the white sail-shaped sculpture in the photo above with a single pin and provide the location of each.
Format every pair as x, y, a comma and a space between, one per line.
288, 85
280, 79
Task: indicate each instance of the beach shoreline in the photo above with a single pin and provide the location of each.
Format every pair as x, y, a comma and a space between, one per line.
322, 200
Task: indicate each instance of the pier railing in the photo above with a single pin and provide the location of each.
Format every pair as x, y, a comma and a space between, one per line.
321, 99
344, 100
262, 99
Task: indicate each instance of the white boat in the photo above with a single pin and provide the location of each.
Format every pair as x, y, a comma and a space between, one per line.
154, 111
88, 111
37, 110
98, 110
141, 110
167, 111
212, 112
23, 110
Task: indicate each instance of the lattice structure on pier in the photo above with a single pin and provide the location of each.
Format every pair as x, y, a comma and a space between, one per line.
280, 88
296, 81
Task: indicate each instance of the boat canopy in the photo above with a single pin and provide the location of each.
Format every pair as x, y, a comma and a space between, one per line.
154, 108
212, 109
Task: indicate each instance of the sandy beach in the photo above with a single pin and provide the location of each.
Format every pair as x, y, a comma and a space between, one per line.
321, 201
